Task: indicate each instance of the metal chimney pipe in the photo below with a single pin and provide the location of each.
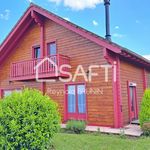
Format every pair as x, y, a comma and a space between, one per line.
107, 4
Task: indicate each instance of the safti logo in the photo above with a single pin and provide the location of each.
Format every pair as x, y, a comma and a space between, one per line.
80, 72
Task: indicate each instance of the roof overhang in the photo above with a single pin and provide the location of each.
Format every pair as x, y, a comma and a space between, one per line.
133, 57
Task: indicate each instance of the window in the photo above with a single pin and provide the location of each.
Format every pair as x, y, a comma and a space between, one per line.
9, 92
76, 101
51, 48
37, 52
132, 98
81, 98
71, 99
133, 104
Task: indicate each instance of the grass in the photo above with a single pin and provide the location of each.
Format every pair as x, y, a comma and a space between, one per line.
64, 141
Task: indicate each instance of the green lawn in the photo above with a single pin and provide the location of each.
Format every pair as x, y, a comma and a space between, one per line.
63, 141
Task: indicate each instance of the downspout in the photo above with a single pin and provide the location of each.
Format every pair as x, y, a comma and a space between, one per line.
119, 93
115, 62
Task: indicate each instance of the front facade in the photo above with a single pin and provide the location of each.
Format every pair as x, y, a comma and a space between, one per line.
40, 34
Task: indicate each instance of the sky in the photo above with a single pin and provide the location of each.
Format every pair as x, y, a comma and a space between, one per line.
130, 19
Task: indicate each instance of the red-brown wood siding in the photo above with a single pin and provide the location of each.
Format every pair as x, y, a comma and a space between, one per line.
148, 79
130, 73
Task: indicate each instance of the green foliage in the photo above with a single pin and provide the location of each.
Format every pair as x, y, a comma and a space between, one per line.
76, 126
122, 133
28, 120
98, 132
89, 141
145, 111
146, 128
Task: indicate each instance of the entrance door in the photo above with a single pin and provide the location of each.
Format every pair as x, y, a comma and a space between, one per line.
76, 102
133, 102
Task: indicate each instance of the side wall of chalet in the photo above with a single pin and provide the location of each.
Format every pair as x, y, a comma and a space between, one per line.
100, 109
130, 73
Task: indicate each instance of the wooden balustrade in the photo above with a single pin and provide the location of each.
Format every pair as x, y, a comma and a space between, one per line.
47, 67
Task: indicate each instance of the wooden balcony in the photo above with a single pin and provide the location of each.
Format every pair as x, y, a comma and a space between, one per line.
45, 68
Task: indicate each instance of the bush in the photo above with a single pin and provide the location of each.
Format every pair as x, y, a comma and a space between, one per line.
28, 120
145, 111
75, 126
146, 128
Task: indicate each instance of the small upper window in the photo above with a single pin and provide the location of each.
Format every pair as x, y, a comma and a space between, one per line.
52, 48
37, 52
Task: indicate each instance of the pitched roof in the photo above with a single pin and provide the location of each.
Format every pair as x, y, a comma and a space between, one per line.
26, 20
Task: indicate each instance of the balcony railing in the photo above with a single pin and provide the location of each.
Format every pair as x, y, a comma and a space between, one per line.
48, 67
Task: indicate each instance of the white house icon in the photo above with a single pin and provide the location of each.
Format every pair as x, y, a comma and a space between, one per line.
51, 63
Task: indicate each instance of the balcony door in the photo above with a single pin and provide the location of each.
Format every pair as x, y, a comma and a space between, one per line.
52, 53
133, 111
76, 102
52, 49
